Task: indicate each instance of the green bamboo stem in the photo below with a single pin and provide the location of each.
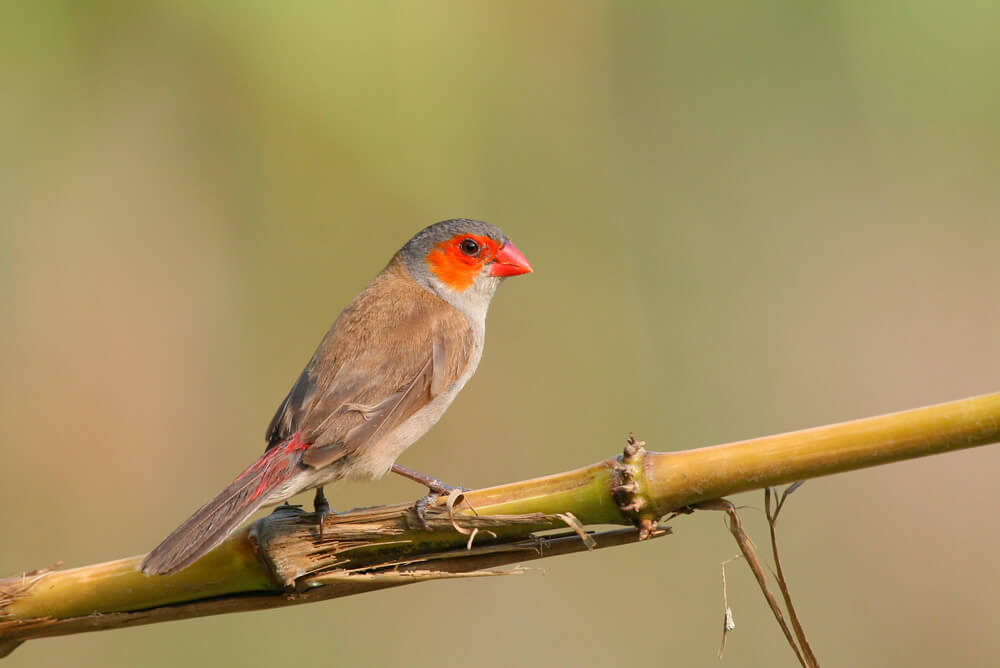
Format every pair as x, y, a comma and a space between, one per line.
663, 482
116, 586
681, 478
677, 479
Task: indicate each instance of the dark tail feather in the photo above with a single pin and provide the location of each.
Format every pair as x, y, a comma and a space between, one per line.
218, 518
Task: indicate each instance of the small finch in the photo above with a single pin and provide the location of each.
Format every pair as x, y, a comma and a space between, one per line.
386, 371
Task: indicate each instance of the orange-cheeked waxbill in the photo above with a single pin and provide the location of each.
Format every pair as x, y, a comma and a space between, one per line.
386, 371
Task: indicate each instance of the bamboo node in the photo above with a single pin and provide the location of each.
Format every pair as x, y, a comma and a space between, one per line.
627, 487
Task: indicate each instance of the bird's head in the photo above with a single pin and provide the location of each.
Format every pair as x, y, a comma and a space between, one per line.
463, 261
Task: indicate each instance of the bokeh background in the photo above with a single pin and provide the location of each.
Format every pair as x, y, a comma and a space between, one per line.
745, 218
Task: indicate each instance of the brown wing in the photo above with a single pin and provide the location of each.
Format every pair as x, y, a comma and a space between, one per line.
390, 352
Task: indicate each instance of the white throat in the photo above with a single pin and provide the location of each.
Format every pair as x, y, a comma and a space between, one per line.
474, 301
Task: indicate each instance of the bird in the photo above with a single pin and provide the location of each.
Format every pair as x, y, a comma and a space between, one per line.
385, 372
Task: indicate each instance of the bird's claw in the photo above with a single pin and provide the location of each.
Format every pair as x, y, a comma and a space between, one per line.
420, 507
437, 489
436, 492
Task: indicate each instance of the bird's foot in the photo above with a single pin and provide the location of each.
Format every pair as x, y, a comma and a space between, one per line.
322, 508
438, 491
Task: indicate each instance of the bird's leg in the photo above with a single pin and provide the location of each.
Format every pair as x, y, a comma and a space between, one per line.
322, 508
432, 484
436, 487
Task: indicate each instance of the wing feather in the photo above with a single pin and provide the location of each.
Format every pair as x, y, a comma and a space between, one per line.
393, 350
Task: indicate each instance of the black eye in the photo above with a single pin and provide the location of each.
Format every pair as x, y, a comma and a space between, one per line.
469, 247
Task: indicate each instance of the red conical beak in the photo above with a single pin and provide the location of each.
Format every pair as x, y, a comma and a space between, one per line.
510, 262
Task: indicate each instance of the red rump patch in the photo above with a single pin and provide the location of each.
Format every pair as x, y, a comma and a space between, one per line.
455, 268
276, 465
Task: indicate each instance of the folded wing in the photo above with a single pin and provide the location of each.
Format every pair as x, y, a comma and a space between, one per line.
374, 369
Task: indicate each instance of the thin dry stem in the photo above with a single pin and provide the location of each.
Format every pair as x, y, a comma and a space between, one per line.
772, 520
728, 624
750, 554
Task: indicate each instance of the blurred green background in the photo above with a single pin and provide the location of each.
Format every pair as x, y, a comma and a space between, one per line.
744, 219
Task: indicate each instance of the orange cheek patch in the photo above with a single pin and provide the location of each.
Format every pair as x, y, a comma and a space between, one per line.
456, 269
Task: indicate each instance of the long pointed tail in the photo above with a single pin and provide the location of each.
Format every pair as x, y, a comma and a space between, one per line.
218, 518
